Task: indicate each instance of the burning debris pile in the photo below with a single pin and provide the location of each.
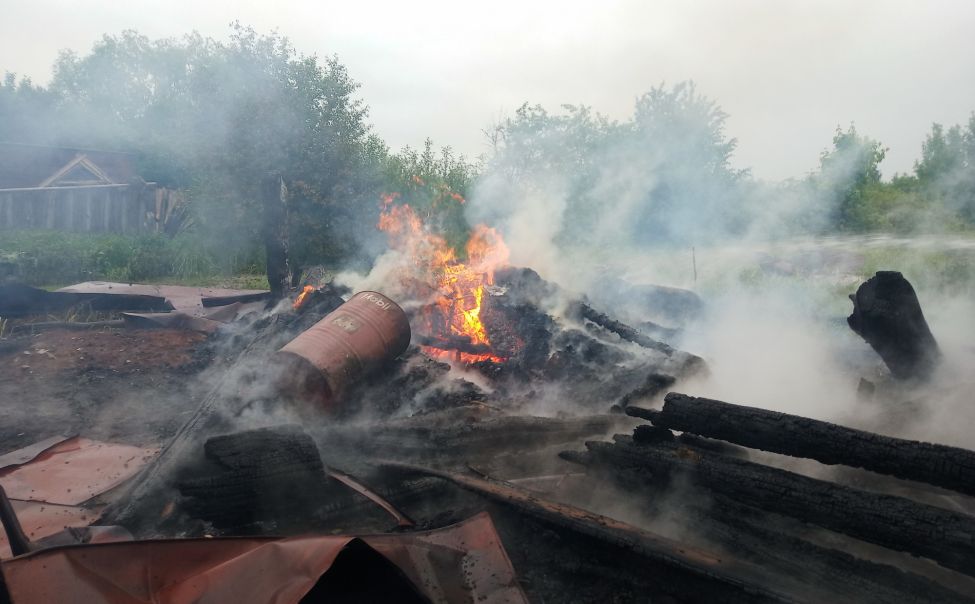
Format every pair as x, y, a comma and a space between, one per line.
514, 336
423, 444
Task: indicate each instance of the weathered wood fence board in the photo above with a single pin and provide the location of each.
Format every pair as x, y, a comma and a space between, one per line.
125, 208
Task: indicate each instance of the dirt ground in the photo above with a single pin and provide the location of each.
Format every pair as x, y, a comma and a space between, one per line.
122, 385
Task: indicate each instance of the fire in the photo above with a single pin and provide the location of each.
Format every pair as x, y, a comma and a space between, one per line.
308, 289
459, 285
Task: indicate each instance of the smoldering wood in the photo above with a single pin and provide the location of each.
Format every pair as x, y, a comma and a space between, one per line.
651, 387
270, 477
140, 501
275, 230
691, 574
892, 522
459, 344
622, 330
887, 314
463, 434
821, 573
940, 465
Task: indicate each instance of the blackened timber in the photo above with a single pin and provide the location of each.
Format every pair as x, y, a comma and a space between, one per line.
269, 476
621, 329
893, 522
275, 230
820, 573
691, 574
141, 501
940, 465
887, 314
459, 344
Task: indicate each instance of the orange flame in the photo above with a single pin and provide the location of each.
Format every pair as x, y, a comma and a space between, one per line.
459, 285
308, 289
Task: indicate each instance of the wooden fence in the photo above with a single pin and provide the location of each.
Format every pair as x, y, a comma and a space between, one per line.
121, 208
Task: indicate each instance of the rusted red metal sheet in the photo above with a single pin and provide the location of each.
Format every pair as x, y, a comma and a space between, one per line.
41, 520
208, 322
28, 453
191, 300
73, 471
170, 320
352, 340
463, 562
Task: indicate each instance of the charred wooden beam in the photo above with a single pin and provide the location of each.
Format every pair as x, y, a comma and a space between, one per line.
460, 344
892, 522
624, 331
887, 314
703, 576
779, 544
940, 465
460, 439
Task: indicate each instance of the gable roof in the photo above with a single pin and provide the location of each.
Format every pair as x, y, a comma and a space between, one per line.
29, 166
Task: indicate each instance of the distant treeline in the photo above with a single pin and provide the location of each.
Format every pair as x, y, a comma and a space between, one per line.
213, 117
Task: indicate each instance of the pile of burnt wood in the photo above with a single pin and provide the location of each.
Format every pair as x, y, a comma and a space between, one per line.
702, 515
901, 531
707, 519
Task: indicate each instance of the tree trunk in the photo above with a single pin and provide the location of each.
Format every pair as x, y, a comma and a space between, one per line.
940, 465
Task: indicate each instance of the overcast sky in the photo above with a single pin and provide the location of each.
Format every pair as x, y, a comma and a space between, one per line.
786, 72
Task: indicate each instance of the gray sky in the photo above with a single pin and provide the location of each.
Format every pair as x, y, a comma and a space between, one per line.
787, 72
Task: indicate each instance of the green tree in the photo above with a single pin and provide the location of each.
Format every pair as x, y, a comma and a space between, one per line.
945, 172
661, 176
436, 185
847, 173
25, 111
216, 117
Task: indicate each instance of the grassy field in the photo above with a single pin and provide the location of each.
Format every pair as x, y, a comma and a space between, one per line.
53, 259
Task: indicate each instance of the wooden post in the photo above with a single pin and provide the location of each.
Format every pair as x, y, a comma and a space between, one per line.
274, 195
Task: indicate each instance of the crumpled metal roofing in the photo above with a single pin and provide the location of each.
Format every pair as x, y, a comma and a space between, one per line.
74, 470
48, 480
191, 300
461, 563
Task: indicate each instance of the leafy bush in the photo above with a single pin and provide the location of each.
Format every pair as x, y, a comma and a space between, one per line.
54, 258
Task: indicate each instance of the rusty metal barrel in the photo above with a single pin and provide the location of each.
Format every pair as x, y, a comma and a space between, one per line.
354, 339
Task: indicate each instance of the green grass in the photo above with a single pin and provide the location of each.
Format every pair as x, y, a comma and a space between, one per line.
54, 259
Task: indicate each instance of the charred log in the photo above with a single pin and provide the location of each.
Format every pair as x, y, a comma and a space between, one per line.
654, 385
892, 522
887, 314
778, 544
267, 478
141, 501
459, 435
939, 465
691, 574
454, 343
622, 330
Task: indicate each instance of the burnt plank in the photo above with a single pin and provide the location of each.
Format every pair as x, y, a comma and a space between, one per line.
893, 522
940, 465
